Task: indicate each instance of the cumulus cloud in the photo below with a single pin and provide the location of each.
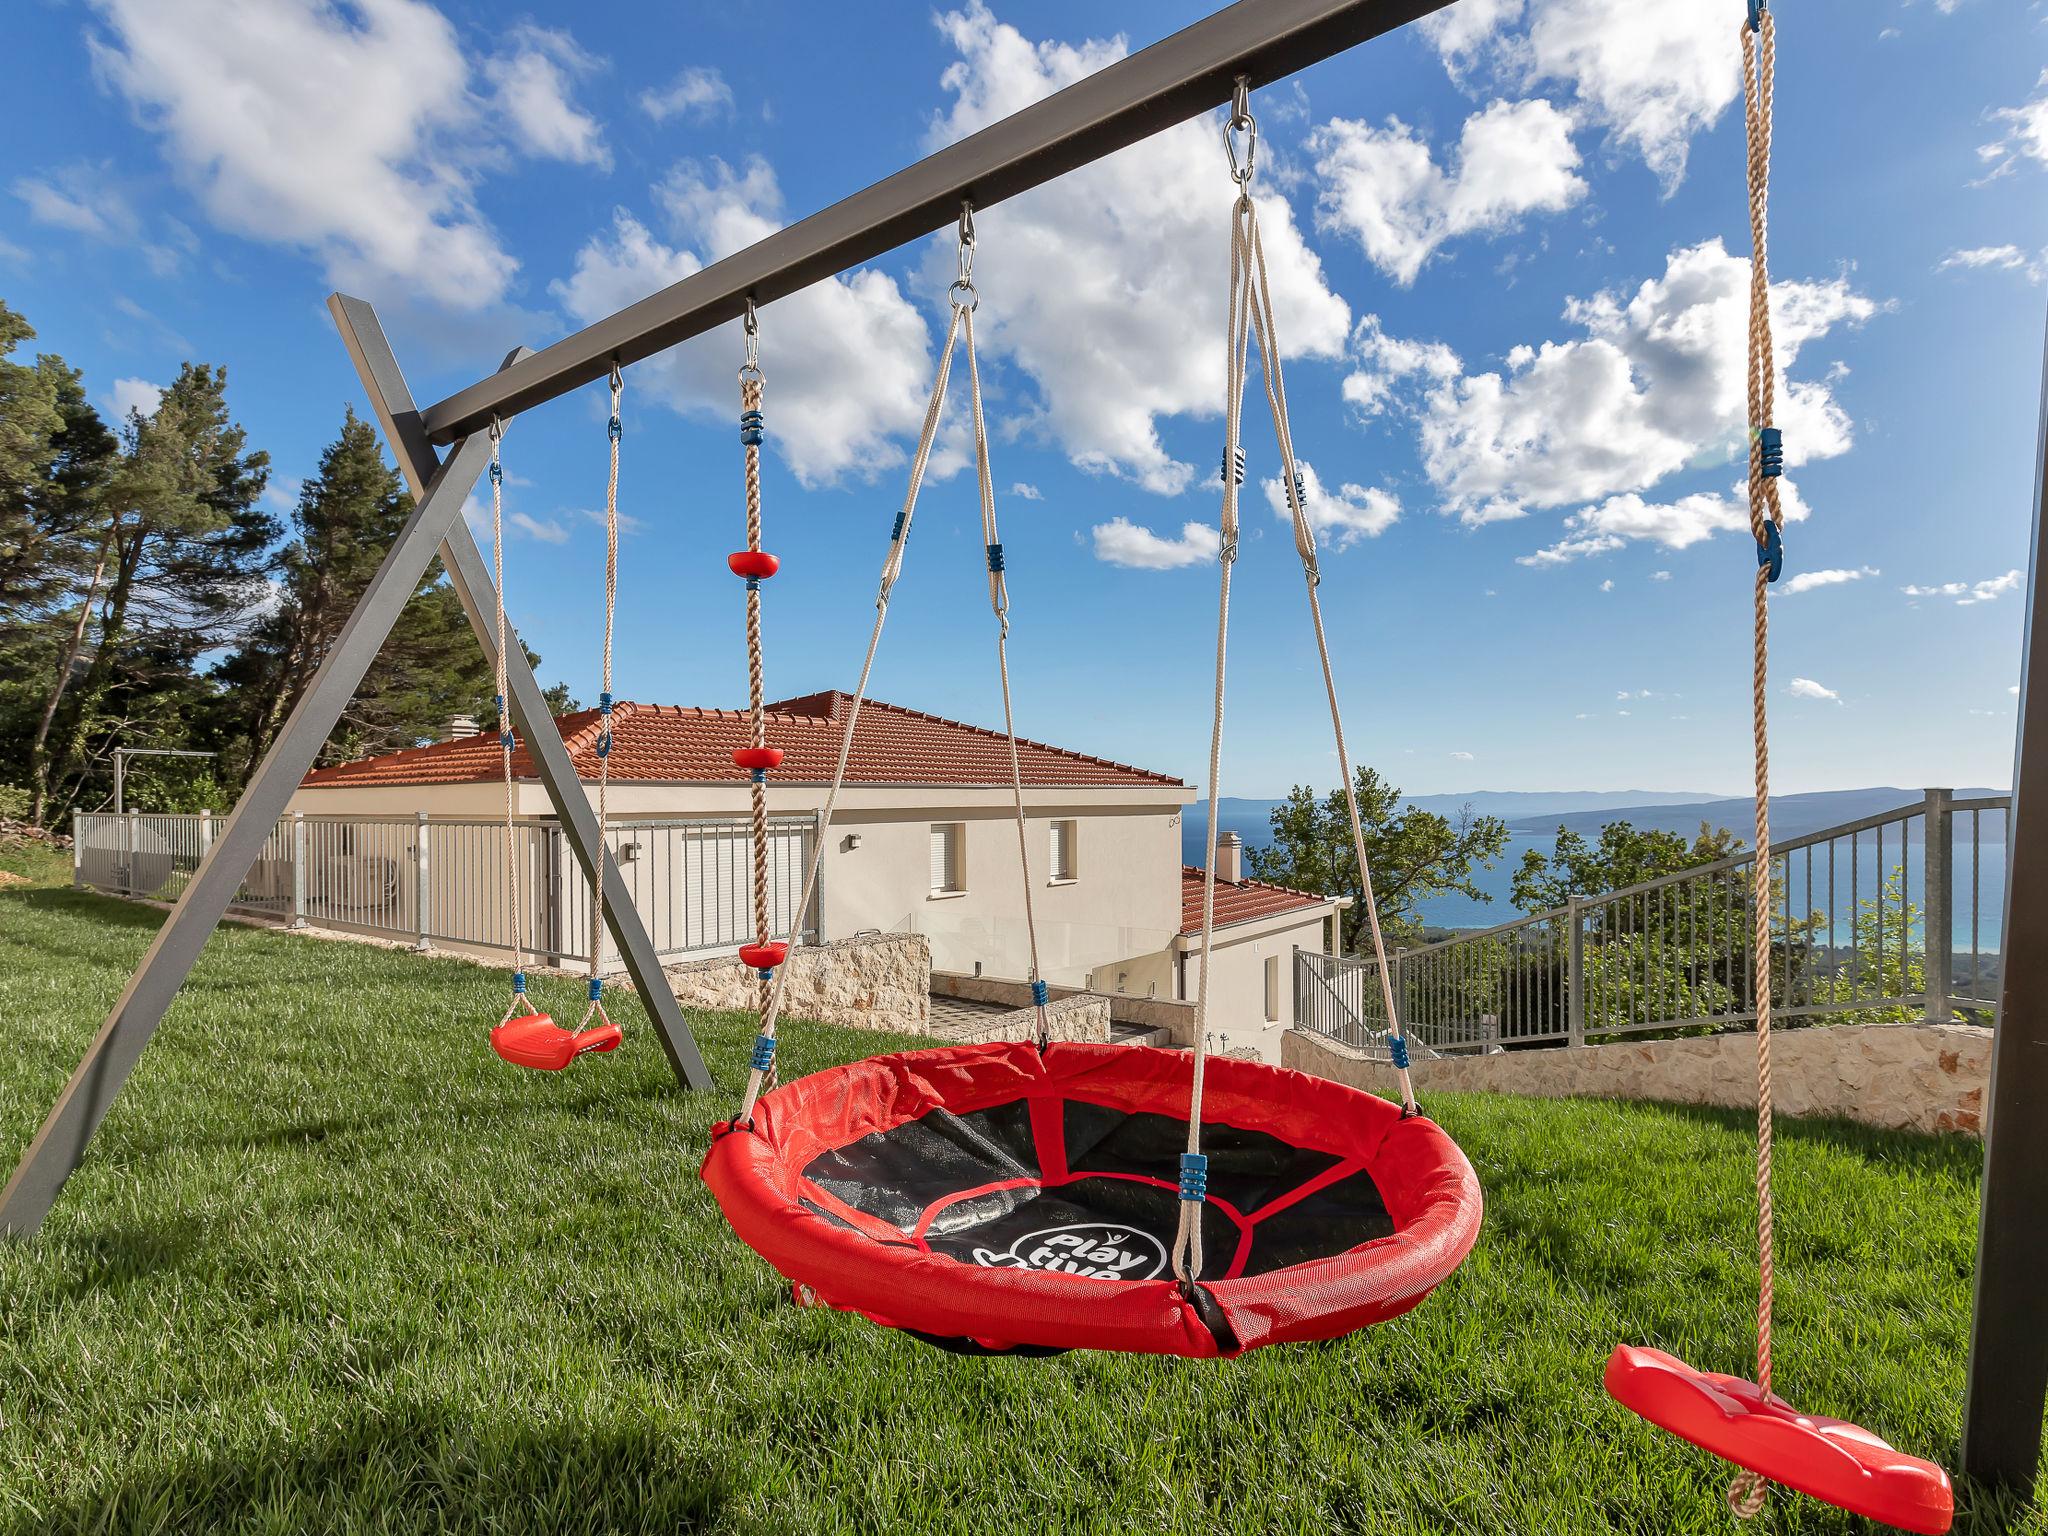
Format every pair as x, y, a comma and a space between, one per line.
1383, 187
1652, 75
1967, 593
1463, 757
547, 530
1339, 517
1998, 258
1676, 524
849, 357
535, 86
1654, 385
1382, 362
136, 395
1023, 490
1106, 287
697, 94
1807, 581
1807, 688
1122, 542
2025, 135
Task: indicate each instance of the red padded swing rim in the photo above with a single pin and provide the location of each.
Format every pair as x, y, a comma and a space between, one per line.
1429, 1189
1828, 1459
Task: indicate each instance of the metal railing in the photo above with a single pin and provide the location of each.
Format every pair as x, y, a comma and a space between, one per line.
445, 880
1884, 919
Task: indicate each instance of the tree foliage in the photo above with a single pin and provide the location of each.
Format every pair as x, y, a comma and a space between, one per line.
1625, 855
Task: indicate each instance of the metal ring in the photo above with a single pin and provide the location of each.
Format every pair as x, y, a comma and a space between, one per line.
963, 285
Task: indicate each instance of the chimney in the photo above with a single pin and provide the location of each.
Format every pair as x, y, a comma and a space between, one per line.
1230, 858
458, 727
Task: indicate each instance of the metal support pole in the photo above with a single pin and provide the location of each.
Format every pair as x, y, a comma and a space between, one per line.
120, 781
77, 847
1937, 904
129, 827
298, 869
68, 1129
2007, 1383
1574, 973
471, 578
420, 881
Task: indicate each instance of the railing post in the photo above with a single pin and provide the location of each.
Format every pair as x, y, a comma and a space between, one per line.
77, 847
205, 835
1938, 904
1574, 974
419, 881
816, 916
131, 823
298, 869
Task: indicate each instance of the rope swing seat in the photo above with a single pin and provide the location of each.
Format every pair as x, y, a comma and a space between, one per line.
1741, 1421
1030, 1197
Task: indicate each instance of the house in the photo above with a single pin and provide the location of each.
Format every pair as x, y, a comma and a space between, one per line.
923, 840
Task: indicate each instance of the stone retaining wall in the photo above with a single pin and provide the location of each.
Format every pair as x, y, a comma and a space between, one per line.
878, 981
1177, 1019
1914, 1077
1084, 1016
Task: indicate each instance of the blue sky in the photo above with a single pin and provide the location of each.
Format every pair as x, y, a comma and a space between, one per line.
1510, 253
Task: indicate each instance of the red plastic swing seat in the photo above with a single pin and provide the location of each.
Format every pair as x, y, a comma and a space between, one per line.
537, 1041
993, 1199
1829, 1459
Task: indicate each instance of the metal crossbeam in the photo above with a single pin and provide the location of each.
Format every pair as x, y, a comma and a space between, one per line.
392, 401
1180, 77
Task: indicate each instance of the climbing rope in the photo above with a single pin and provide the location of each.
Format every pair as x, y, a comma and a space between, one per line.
892, 567
519, 1006
999, 600
1249, 313
753, 430
1747, 1494
614, 431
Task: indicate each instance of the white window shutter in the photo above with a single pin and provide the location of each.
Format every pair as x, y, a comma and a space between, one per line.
943, 861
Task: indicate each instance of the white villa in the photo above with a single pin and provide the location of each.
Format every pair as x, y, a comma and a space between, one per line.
923, 841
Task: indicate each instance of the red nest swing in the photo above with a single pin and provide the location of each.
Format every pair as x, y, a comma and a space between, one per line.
993, 1198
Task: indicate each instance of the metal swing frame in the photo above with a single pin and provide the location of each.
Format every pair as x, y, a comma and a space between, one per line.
1183, 76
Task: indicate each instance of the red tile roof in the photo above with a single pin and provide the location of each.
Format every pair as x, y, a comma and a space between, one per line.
665, 743
1239, 903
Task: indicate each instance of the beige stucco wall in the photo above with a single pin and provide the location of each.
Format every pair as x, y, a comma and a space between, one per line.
1918, 1077
1237, 993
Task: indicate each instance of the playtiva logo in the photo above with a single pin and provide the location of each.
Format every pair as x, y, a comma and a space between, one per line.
1095, 1249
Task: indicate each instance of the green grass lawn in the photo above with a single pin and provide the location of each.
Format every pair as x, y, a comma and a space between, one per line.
332, 1267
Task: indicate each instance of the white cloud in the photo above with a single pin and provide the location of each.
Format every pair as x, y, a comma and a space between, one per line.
1608, 586
1967, 593
1807, 581
1463, 757
1122, 542
1660, 575
1655, 385
2000, 258
1023, 490
1807, 688
2025, 135
1341, 517
1653, 75
83, 198
696, 94
1107, 286
1384, 361
848, 359
1382, 187
547, 530
353, 134
1621, 520
535, 82
132, 395
282, 493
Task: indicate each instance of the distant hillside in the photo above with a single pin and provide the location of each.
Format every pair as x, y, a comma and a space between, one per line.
1791, 815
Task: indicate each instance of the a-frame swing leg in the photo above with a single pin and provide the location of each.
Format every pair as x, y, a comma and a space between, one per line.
392, 402
60, 1144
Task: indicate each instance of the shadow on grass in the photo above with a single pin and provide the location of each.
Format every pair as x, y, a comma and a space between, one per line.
72, 902
111, 1260
413, 1468
1953, 1156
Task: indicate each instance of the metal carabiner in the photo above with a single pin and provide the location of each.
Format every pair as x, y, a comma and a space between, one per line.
966, 241
1242, 121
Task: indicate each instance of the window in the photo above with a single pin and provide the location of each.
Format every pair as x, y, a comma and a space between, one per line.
948, 863
1063, 850
1272, 989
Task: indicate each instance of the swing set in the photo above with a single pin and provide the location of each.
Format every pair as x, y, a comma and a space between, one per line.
1026, 1197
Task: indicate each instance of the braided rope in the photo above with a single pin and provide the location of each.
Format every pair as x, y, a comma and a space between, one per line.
519, 1005
892, 567
1748, 1493
1305, 546
999, 600
595, 1009
757, 733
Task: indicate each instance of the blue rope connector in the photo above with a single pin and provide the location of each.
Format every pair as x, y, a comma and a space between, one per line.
1040, 993
760, 775
604, 703
897, 532
497, 473
604, 743
1770, 554
766, 973
501, 703
753, 583
995, 558
1756, 15
764, 1052
1194, 1176
1772, 441
1300, 491
615, 430
1224, 472
1397, 1047
505, 739
753, 428
519, 983
596, 988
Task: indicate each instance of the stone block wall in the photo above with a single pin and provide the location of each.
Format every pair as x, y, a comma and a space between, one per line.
1916, 1077
1177, 1019
878, 981
1084, 1016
